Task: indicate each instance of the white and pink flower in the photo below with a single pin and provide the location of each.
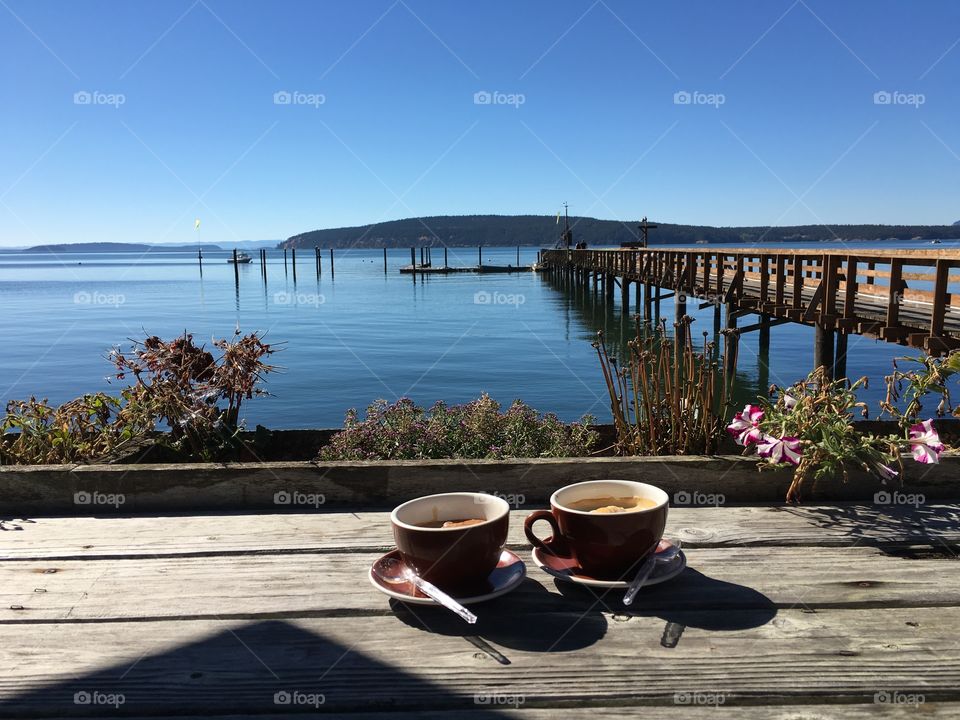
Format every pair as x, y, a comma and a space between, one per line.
779, 450
745, 427
925, 443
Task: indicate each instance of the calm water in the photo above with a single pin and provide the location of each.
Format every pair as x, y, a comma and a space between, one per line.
347, 339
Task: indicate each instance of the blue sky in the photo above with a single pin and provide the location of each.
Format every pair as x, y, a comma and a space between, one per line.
782, 126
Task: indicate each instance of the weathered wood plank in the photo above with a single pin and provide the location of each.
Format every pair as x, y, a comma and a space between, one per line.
382, 484
844, 711
221, 533
214, 667
337, 584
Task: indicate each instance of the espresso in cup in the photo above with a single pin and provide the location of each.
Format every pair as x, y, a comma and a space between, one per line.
453, 540
609, 527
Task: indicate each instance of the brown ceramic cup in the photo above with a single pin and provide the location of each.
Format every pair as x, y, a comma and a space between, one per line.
454, 559
606, 546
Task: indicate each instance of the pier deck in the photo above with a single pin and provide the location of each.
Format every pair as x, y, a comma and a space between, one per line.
908, 297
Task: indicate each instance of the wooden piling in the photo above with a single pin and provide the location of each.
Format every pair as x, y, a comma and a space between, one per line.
200, 260
384, 261
840, 361
479, 255
284, 262
236, 269
293, 263
823, 348
413, 264
331, 264
445, 256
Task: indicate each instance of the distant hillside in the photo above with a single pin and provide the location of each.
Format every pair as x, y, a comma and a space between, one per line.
543, 231
97, 247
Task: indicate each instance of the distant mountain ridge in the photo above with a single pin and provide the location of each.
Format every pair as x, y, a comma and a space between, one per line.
543, 231
95, 247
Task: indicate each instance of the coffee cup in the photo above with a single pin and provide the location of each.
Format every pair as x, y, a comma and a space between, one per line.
460, 557
607, 526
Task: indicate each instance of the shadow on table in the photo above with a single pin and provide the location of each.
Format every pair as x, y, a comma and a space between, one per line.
692, 599
263, 667
886, 525
531, 618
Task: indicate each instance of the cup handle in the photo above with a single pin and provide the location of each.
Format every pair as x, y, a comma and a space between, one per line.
559, 544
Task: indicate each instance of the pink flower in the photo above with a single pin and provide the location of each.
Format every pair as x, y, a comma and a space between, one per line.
885, 471
778, 450
925, 443
745, 425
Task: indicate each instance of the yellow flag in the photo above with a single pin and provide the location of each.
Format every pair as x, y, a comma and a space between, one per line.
558, 218
196, 224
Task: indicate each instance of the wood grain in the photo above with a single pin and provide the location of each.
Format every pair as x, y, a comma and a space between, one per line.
324, 531
222, 667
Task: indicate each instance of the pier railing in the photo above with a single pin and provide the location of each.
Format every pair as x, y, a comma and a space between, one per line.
909, 297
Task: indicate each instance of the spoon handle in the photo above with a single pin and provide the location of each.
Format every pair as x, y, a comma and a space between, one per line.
438, 595
642, 574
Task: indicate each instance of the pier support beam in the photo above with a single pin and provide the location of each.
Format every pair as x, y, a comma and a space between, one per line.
823, 349
625, 295
729, 368
680, 311
608, 282
840, 361
647, 302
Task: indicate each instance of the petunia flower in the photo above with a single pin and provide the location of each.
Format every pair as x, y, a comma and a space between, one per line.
925, 443
778, 450
745, 425
885, 471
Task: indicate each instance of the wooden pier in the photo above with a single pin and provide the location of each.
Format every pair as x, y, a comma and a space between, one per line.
907, 297
444, 270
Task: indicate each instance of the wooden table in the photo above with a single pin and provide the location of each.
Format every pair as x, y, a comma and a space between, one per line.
811, 612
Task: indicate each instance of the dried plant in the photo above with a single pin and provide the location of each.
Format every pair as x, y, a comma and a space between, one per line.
183, 385
668, 400
176, 382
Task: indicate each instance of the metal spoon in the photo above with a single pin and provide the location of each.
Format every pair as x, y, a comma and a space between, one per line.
393, 571
644, 572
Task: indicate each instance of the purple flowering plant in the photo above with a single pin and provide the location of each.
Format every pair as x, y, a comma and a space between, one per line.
404, 430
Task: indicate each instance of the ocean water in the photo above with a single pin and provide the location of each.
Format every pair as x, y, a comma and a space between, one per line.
352, 336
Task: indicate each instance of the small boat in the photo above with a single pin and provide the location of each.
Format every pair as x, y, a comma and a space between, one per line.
242, 257
935, 242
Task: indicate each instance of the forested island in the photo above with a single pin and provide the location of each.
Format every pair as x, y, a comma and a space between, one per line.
543, 231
